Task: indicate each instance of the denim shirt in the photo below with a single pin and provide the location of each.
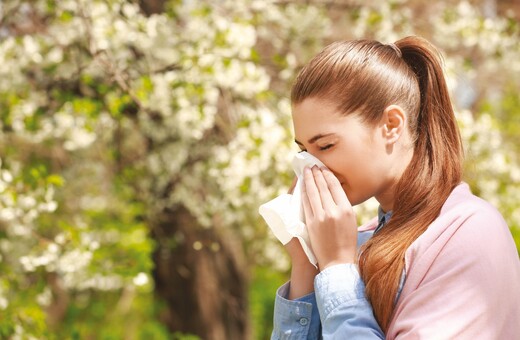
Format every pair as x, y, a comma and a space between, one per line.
337, 309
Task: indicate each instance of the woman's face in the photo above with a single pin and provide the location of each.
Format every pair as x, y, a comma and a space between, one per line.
355, 152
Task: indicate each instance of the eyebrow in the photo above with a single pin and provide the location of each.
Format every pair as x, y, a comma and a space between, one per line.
315, 138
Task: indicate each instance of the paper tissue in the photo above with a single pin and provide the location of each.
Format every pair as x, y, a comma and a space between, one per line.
284, 214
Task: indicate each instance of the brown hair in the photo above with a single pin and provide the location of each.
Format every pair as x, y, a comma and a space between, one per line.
367, 76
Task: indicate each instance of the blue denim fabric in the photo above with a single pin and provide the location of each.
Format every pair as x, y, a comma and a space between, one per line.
338, 309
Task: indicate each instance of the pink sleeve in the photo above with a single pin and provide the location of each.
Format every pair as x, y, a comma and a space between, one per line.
370, 225
463, 280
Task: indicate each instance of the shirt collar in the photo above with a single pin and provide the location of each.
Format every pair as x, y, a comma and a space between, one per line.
381, 213
383, 218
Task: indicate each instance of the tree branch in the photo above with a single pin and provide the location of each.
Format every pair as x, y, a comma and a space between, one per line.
104, 58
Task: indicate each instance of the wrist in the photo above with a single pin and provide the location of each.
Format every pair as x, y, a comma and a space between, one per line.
302, 279
349, 260
305, 267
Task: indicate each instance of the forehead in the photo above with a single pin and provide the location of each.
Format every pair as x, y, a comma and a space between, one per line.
315, 116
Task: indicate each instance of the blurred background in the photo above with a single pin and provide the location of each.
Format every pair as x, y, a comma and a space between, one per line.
138, 138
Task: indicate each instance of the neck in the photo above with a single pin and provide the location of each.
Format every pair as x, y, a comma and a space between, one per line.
386, 197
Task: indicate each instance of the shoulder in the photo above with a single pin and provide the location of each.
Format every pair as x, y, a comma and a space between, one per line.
467, 228
470, 214
466, 257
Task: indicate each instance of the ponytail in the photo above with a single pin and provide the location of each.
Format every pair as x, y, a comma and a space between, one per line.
435, 169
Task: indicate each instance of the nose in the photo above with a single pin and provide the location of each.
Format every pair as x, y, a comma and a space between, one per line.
316, 156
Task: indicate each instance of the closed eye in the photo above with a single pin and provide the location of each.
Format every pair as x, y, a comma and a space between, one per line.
326, 147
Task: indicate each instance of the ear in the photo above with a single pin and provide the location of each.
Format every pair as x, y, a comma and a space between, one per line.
394, 123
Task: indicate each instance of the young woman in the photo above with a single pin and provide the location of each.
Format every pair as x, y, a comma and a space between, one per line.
438, 262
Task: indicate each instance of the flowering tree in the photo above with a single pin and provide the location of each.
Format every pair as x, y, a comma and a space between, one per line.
136, 148
116, 125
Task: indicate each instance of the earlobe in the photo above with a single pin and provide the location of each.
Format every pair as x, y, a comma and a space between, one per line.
394, 123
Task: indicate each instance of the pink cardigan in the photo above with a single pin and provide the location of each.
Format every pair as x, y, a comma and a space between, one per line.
462, 276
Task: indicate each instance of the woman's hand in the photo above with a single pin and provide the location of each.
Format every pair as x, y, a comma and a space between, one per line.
302, 271
329, 217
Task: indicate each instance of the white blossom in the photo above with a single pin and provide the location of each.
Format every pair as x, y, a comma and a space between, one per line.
141, 279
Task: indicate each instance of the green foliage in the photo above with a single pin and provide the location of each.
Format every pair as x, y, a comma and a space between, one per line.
184, 336
508, 122
508, 115
265, 282
130, 315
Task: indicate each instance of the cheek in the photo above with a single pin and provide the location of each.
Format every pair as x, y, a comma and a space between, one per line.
353, 169
340, 166
352, 164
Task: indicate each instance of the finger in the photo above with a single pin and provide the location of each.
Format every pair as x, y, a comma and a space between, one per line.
323, 188
337, 192
313, 193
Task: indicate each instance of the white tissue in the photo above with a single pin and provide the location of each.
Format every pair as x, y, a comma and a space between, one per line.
284, 214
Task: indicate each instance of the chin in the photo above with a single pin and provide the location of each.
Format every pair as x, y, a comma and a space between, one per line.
353, 198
